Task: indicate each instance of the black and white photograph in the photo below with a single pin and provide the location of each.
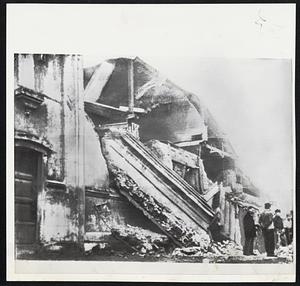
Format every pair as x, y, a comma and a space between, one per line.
151, 135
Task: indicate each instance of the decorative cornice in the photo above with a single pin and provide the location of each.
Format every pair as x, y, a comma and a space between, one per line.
32, 141
30, 98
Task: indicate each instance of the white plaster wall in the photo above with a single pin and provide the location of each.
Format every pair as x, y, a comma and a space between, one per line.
96, 173
54, 220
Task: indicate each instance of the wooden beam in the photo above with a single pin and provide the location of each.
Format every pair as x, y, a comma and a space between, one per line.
130, 86
188, 143
98, 80
135, 109
103, 110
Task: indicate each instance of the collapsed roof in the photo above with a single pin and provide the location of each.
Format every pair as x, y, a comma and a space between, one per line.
108, 83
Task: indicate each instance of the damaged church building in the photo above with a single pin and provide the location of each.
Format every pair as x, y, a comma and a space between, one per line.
117, 151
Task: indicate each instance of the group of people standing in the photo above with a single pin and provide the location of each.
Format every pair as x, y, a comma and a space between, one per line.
275, 230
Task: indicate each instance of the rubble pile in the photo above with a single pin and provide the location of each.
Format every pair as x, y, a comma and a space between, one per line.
227, 248
141, 240
214, 249
172, 225
285, 252
96, 248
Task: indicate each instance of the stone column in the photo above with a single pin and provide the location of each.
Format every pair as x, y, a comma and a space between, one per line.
73, 114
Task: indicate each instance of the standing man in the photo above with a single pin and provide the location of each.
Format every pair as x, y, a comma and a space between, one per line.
266, 223
250, 231
278, 227
288, 229
292, 225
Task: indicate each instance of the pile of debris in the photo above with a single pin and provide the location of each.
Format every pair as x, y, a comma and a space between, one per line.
140, 240
164, 217
230, 252
285, 252
227, 248
214, 249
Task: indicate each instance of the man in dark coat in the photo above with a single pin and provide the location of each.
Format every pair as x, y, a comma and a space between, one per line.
267, 225
278, 227
250, 231
288, 227
292, 225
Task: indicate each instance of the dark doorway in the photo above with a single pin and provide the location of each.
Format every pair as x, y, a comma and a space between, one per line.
26, 185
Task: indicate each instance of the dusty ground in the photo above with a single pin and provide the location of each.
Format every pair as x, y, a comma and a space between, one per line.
150, 258
122, 252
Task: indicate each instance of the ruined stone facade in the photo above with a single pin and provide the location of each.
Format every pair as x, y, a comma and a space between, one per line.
69, 181
59, 167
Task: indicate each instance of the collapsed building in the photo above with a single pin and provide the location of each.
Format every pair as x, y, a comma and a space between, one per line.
115, 147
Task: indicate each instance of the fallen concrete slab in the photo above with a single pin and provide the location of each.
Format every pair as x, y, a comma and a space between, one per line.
159, 192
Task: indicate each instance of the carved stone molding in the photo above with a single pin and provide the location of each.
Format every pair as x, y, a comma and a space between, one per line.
30, 98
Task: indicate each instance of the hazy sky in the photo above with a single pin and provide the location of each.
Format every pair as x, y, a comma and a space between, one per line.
206, 49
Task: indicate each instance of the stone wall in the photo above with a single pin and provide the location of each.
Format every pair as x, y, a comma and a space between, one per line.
58, 121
